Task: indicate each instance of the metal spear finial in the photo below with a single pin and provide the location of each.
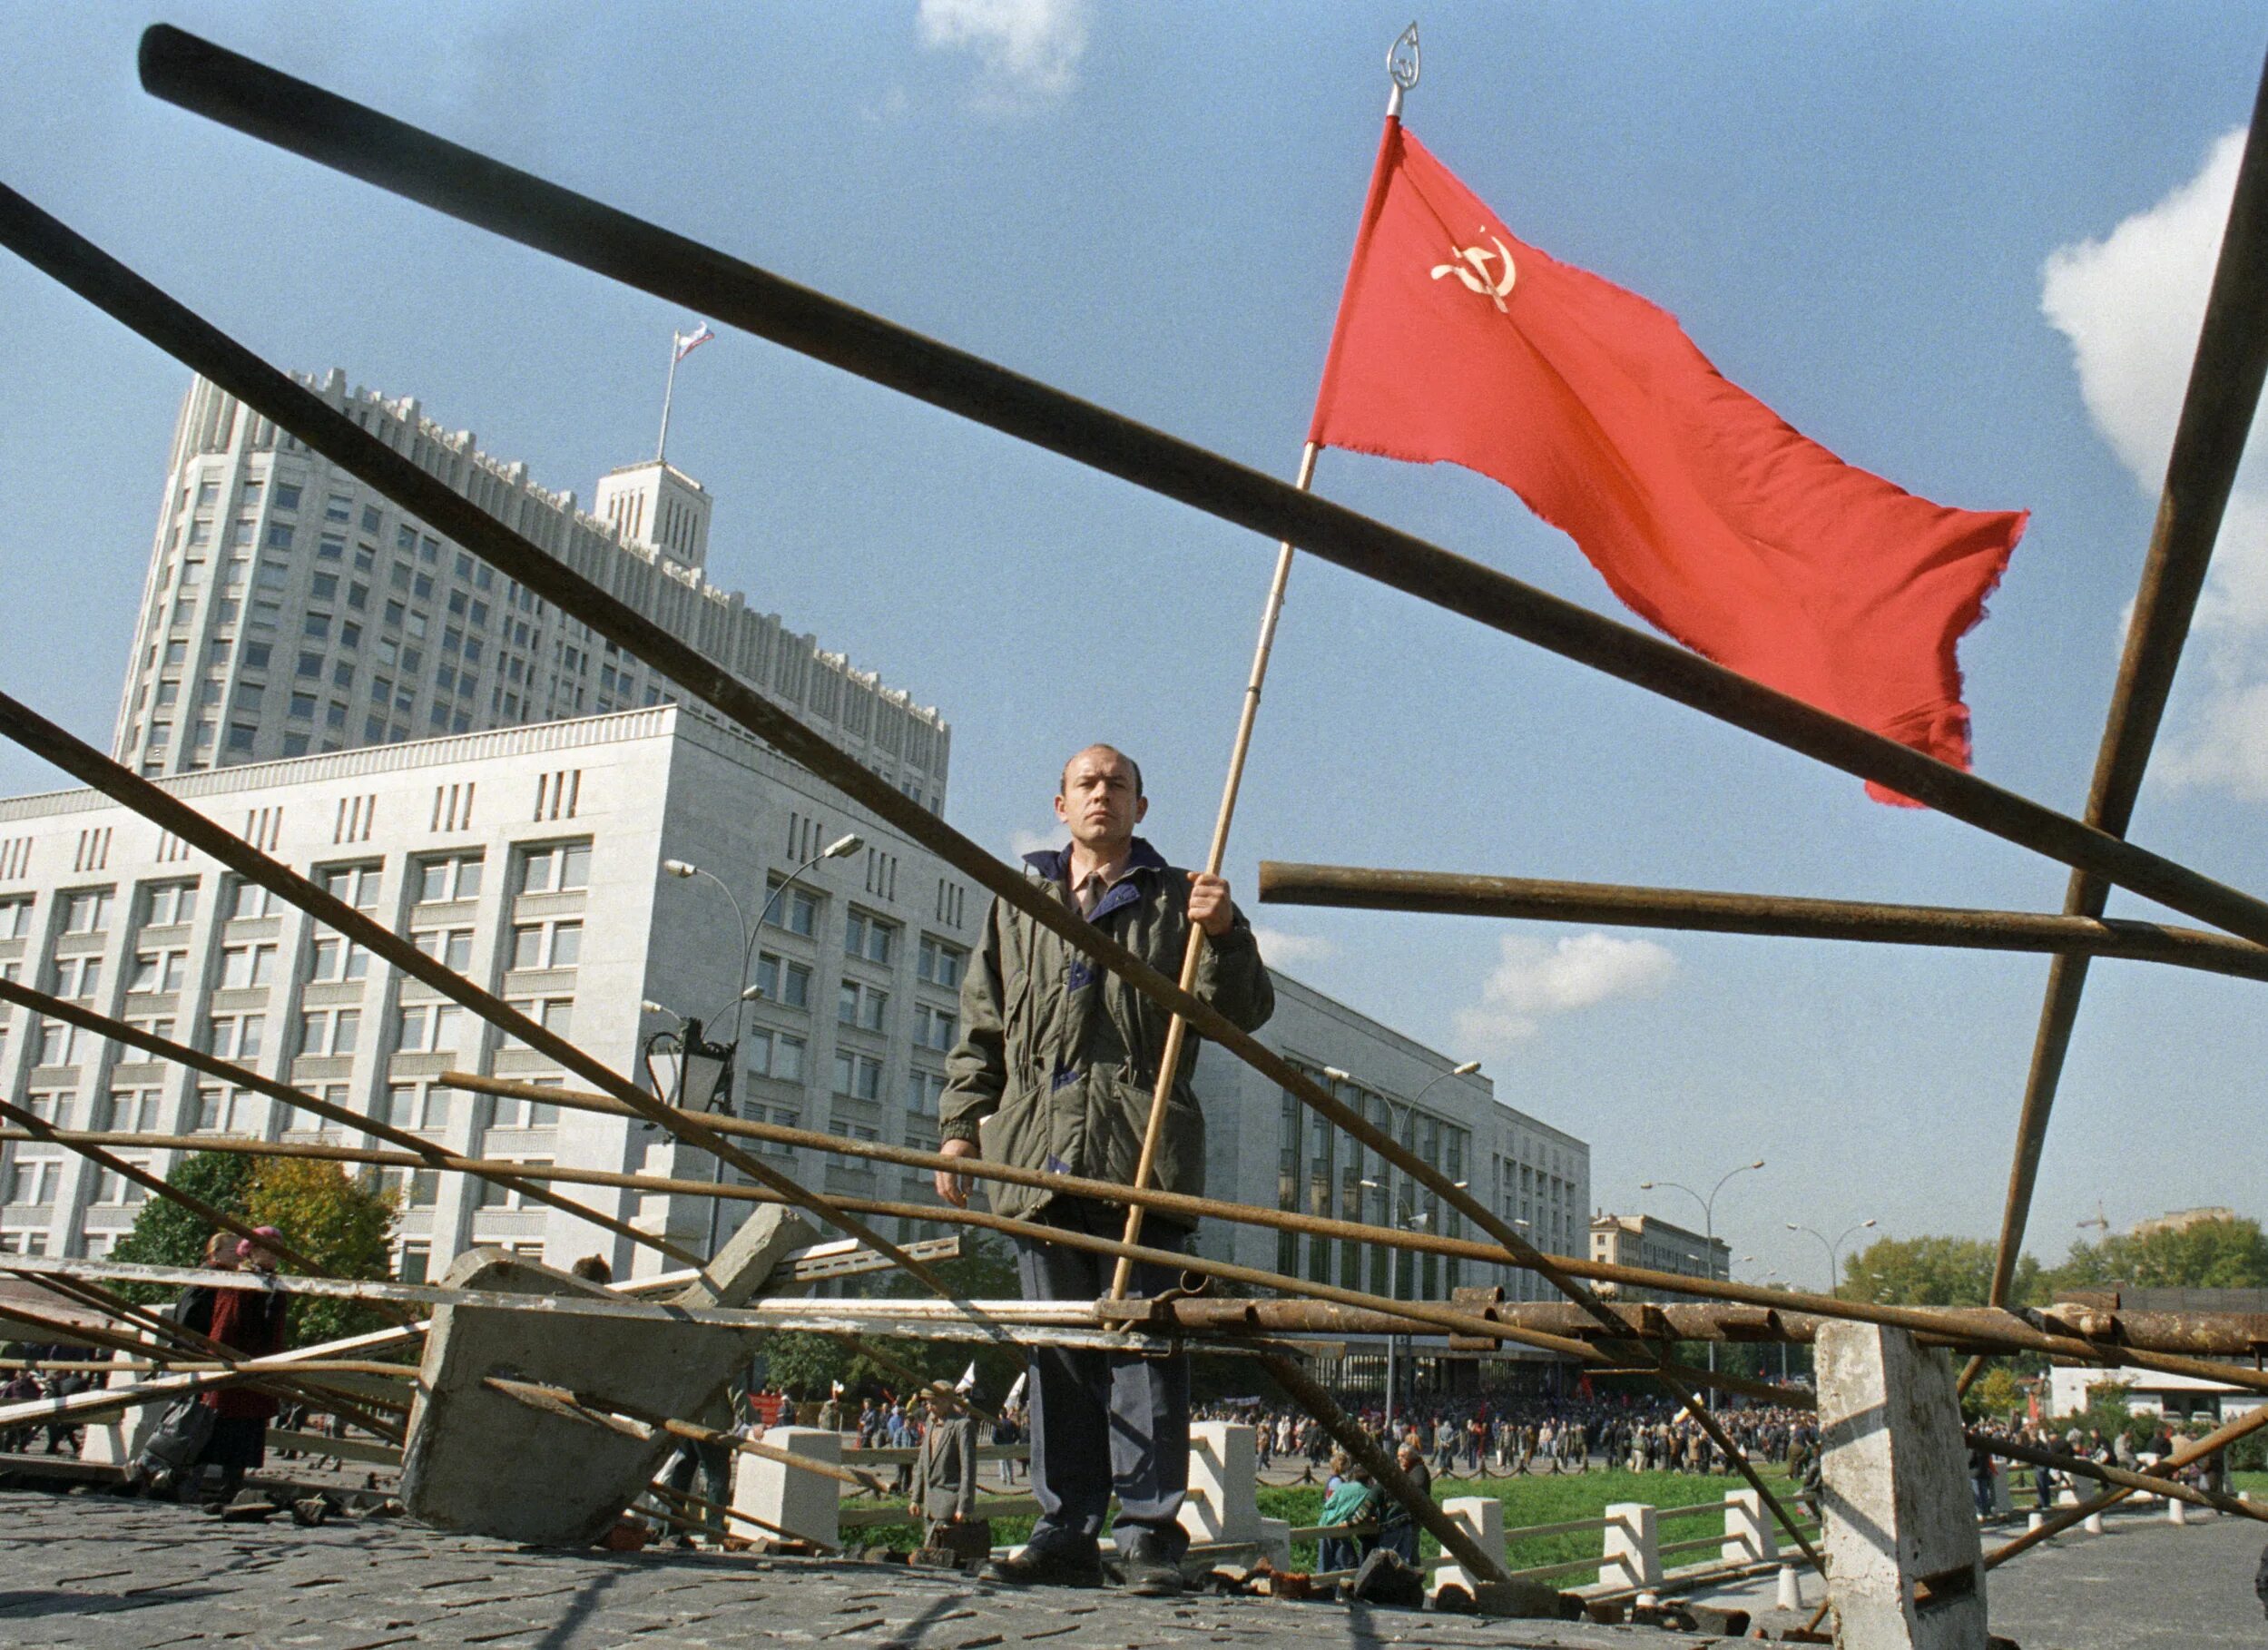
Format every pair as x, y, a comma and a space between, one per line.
1401, 65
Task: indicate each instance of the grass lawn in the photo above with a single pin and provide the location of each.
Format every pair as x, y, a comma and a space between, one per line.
2257, 1482
1549, 1500
1526, 1500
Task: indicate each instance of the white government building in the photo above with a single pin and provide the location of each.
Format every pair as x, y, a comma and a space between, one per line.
529, 853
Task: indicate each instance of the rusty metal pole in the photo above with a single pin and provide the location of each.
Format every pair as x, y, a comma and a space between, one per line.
2217, 411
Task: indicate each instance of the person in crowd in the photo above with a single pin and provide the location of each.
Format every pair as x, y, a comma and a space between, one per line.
1352, 1499
250, 1323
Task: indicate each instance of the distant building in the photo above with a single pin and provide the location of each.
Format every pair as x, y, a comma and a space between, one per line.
2153, 1392
1641, 1240
2180, 1219
289, 610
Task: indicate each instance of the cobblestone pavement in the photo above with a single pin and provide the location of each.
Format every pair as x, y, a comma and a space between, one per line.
91, 1570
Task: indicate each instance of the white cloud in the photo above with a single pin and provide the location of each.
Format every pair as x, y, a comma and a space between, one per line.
1535, 979
2131, 305
1022, 842
1029, 49
1278, 947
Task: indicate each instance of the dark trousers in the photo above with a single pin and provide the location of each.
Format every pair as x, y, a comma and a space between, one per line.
1103, 1421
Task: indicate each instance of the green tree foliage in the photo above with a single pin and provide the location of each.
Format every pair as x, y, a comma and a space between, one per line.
1997, 1395
806, 1364
164, 1233
1933, 1271
337, 1222
2230, 1253
342, 1224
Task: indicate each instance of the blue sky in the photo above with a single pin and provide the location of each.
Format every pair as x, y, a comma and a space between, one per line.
1964, 247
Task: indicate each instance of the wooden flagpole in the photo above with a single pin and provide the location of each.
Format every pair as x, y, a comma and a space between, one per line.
1401, 67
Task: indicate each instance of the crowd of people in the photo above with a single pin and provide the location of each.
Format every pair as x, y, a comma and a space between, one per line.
2137, 1451
1507, 1433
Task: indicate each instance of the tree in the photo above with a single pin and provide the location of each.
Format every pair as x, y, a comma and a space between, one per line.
2226, 1253
342, 1224
166, 1234
1933, 1271
1996, 1396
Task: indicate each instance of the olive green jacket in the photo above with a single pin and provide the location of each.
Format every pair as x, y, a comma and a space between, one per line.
1058, 1057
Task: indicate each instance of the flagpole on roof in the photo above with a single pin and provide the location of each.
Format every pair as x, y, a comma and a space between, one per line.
662, 447
1401, 69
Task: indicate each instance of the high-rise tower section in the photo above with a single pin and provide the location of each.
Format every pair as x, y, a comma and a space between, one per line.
291, 610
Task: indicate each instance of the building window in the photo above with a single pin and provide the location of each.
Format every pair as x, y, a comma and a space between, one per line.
518, 1112
16, 918
158, 971
858, 1076
236, 1036
924, 1089
249, 900
554, 1014
432, 1028
33, 1180
448, 877
78, 976
492, 1195
869, 937
797, 910
939, 964
451, 947
776, 1054
87, 911
863, 1005
786, 983
546, 945
354, 885
58, 1044
937, 1028
412, 1189
329, 1031
243, 967
422, 1107
129, 1111
223, 1111
560, 867
114, 1191
336, 959
170, 902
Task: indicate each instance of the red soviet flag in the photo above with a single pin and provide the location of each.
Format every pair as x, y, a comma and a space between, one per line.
1706, 513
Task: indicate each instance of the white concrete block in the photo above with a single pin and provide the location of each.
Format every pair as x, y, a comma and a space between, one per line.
1276, 1542
1223, 1502
1790, 1595
2176, 1512
2092, 1524
1634, 1548
1482, 1518
1749, 1535
1904, 1566
800, 1503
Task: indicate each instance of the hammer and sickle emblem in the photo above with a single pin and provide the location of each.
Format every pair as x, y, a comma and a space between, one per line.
1477, 277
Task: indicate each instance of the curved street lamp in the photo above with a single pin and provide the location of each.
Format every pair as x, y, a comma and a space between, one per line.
1834, 1248
1708, 1222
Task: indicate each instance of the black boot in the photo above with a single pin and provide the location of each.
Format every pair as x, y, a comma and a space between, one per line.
1055, 1564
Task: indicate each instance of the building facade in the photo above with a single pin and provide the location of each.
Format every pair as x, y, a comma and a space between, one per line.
532, 860
289, 610
1641, 1240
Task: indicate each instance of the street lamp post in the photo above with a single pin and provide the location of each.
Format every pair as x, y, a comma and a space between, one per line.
1833, 1249
702, 1068
1709, 1228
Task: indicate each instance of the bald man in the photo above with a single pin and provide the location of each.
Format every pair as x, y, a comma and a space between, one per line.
1056, 1068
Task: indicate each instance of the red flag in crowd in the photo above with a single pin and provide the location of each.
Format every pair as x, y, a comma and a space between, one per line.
1707, 515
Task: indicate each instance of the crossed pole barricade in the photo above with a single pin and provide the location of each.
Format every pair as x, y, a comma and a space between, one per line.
361, 143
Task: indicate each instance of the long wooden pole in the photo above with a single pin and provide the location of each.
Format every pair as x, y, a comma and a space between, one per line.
352, 138
1216, 854
1707, 911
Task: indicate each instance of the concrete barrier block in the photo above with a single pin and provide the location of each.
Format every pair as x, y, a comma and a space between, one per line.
481, 1461
1482, 1518
806, 1503
1749, 1535
1904, 1563
1276, 1542
1634, 1548
1223, 1502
